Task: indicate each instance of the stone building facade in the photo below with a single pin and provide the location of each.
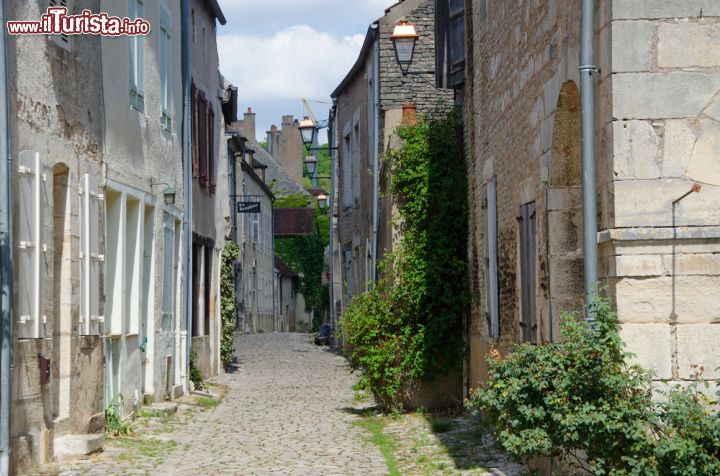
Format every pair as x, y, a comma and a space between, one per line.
360, 106
655, 120
210, 184
96, 128
142, 270
58, 147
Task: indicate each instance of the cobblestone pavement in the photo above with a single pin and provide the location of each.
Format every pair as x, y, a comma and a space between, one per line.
287, 411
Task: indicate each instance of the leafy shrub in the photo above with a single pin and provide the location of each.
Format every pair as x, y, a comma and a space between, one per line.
580, 401
408, 326
227, 302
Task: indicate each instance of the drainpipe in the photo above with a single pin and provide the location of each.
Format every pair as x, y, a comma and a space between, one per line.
376, 148
272, 245
587, 91
187, 183
6, 256
331, 198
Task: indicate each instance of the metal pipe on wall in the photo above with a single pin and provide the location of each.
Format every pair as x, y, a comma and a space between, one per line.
187, 182
6, 256
587, 92
376, 150
331, 198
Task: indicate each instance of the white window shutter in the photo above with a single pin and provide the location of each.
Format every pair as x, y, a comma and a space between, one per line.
90, 257
31, 246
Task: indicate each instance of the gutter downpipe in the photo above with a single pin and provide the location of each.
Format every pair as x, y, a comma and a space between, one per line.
187, 184
331, 244
6, 255
376, 148
587, 91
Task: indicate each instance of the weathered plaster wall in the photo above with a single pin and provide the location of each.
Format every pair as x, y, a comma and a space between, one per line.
56, 101
211, 210
140, 150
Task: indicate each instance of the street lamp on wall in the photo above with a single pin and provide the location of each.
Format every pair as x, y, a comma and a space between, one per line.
308, 131
310, 165
404, 38
322, 200
168, 193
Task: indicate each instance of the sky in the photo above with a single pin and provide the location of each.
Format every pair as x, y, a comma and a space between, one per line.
279, 51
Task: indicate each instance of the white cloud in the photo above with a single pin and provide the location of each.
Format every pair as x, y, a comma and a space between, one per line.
290, 64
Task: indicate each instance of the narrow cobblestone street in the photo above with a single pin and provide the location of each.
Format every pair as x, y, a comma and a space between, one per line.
288, 410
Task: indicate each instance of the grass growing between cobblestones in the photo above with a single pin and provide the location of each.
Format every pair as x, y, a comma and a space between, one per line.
375, 425
425, 443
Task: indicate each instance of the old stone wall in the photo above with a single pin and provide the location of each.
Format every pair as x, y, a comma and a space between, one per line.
523, 64
56, 99
355, 182
397, 90
661, 253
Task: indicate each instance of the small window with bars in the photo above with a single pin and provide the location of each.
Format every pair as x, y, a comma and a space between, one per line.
63, 40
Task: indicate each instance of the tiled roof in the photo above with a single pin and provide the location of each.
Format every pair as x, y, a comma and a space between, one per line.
283, 269
316, 191
293, 222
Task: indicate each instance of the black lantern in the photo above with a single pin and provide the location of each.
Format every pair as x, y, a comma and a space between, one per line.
308, 131
310, 165
404, 37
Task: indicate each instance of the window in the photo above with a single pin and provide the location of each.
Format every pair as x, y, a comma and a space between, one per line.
137, 59
63, 40
347, 192
203, 133
528, 254
194, 28
165, 68
450, 43
127, 240
357, 165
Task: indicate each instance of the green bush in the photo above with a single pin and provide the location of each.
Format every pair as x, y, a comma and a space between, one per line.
227, 302
580, 401
409, 326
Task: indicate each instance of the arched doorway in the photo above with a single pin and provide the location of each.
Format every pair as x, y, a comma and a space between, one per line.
564, 210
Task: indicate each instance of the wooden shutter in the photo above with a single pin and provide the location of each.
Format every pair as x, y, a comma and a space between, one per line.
31, 252
194, 127
456, 43
168, 278
211, 147
528, 255
441, 33
202, 145
491, 261
90, 257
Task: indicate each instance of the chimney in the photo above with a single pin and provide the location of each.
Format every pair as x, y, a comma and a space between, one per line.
271, 138
248, 125
409, 115
289, 151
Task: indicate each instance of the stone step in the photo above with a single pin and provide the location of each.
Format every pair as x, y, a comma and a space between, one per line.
69, 446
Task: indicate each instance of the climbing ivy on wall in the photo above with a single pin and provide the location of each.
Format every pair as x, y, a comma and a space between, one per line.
306, 256
409, 326
227, 302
